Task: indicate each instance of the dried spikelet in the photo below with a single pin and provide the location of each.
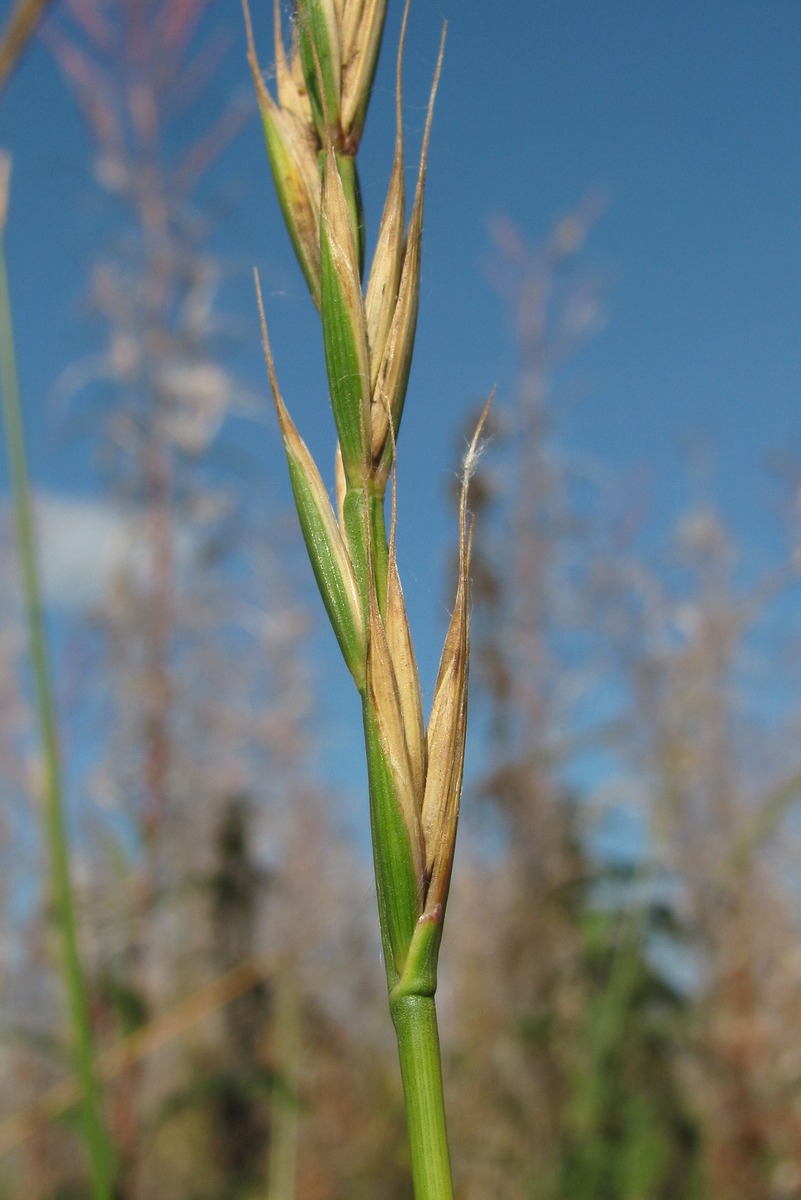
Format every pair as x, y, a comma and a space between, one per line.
382, 286
350, 23
401, 649
447, 725
362, 27
392, 377
290, 86
405, 665
446, 737
293, 159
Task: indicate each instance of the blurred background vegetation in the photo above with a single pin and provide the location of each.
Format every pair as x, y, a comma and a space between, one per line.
621, 977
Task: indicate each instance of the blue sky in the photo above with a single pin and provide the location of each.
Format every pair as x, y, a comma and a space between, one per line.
686, 116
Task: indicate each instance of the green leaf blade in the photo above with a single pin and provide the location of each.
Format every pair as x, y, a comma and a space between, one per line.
337, 585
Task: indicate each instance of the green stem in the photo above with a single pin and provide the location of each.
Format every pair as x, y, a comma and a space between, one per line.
380, 549
415, 1019
358, 527
97, 1142
285, 1109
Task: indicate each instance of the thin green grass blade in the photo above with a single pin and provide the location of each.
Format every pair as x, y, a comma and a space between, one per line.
98, 1144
